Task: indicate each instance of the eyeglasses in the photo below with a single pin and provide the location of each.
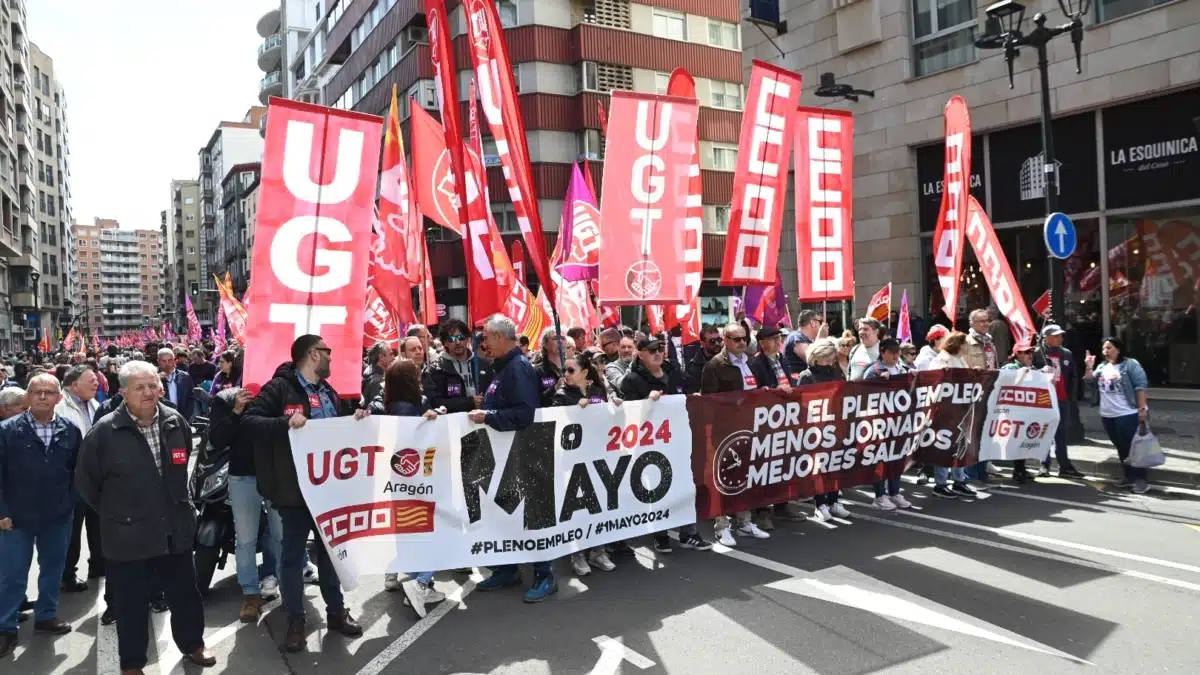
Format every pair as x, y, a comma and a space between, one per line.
714, 341
739, 338
571, 370
653, 350
456, 338
43, 394
326, 350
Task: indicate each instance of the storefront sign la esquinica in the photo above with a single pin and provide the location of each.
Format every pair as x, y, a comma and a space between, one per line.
935, 187
1154, 155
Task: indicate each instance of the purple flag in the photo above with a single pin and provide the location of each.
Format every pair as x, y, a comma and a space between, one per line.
578, 257
904, 330
767, 304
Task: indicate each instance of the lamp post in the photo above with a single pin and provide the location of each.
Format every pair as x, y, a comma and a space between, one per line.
1003, 31
37, 312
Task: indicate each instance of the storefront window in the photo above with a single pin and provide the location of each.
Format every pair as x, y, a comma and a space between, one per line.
1154, 281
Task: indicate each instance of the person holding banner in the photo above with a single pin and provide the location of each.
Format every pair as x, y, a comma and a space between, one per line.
887, 492
299, 391
402, 397
1057, 361
862, 357
452, 381
582, 386
1022, 357
547, 361
508, 405
822, 359
772, 372
933, 344
616, 370
981, 351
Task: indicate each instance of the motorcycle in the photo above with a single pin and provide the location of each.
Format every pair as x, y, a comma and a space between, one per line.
208, 488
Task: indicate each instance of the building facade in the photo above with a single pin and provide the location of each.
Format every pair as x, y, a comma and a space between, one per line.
120, 277
186, 224
288, 53
239, 186
18, 316
568, 55
230, 144
168, 273
1125, 134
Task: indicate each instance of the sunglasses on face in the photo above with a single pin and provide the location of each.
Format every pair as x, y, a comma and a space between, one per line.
456, 338
652, 350
571, 370
714, 341
324, 350
738, 338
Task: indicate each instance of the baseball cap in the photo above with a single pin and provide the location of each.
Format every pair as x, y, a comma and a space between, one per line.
649, 343
1052, 329
937, 332
1022, 346
768, 332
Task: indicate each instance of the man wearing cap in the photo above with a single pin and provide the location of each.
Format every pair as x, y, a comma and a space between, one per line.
1022, 357
1057, 361
769, 368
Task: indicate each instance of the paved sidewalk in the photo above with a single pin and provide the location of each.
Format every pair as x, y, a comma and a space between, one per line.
1175, 423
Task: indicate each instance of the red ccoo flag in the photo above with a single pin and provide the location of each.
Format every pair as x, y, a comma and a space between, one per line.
881, 304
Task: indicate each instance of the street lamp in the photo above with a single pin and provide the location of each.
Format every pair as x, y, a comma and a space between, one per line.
1003, 31
37, 312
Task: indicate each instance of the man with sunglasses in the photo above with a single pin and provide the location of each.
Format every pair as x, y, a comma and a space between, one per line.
454, 381
710, 346
299, 391
610, 342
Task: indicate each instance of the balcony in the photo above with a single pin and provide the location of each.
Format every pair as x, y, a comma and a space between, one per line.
28, 258
271, 85
270, 52
23, 298
268, 24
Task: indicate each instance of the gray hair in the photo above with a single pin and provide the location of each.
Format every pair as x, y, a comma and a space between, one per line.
548, 335
11, 395
166, 351
48, 377
501, 325
979, 313
729, 328
134, 369
822, 350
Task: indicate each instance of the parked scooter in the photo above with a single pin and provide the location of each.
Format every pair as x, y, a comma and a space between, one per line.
208, 488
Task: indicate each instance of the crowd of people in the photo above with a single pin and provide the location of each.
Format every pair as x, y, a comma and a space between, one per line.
102, 442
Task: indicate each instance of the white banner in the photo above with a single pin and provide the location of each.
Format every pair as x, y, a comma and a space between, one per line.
402, 494
1022, 417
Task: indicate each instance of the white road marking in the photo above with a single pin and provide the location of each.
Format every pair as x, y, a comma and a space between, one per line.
406, 640
1108, 508
1014, 534
613, 653
108, 661
168, 655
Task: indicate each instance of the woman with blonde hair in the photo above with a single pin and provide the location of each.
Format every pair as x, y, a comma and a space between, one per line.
951, 354
845, 345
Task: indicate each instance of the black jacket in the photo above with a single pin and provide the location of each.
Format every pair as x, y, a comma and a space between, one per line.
266, 421
548, 376
1070, 369
638, 382
183, 389
821, 374
512, 397
569, 395
372, 385
764, 373
224, 433
695, 371
719, 375
446, 388
143, 513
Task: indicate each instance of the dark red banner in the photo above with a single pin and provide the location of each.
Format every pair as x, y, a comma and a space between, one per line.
763, 447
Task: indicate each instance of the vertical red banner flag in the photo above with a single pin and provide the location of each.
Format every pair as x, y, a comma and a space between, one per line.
642, 217
313, 238
502, 110
518, 260
379, 324
760, 180
396, 260
687, 313
993, 264
824, 197
952, 216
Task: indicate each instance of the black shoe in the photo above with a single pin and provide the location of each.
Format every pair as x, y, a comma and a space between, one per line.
159, 605
622, 550
8, 642
1022, 477
662, 543
95, 572
1044, 472
73, 585
1125, 482
963, 490
109, 617
1070, 472
922, 478
944, 492
342, 622
694, 542
22, 617
26, 605
52, 627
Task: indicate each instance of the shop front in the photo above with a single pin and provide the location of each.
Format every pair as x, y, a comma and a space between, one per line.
1129, 177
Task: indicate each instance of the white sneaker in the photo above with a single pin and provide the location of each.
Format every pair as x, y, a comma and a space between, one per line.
749, 529
310, 574
883, 503
901, 502
417, 596
599, 558
725, 537
839, 510
391, 582
270, 588
822, 514
580, 565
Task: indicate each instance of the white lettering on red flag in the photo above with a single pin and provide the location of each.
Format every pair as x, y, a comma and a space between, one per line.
313, 238
951, 223
759, 183
1006, 294
824, 197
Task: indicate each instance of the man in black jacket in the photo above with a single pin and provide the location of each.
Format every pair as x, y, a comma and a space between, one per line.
710, 346
1057, 361
133, 470
450, 381
298, 391
379, 356
769, 367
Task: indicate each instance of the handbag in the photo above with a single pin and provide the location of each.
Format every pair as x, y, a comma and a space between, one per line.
1145, 452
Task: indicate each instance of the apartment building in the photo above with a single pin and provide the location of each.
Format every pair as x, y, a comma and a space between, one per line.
120, 277
185, 223
1125, 133
287, 55
168, 273
231, 144
18, 319
239, 187
568, 55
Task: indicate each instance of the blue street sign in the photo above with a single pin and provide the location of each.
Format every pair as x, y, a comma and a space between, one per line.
1059, 233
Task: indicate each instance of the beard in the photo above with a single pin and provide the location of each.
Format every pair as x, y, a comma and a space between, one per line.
323, 370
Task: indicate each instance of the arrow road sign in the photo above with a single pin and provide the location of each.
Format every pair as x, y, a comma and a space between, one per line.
1059, 233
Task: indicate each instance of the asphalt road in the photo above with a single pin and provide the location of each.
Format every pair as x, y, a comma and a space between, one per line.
1058, 577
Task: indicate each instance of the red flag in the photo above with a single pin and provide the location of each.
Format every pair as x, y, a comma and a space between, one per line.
952, 217
1006, 294
313, 238
69, 341
881, 304
642, 217
193, 323
96, 338
501, 108
433, 184
759, 183
234, 312
429, 314
518, 260
904, 330
1042, 305
379, 324
603, 114
687, 312
824, 196
396, 257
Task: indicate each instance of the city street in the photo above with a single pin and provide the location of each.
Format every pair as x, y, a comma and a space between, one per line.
1048, 578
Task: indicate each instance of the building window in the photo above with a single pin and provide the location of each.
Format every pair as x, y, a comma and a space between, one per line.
590, 144
507, 9
671, 25
661, 81
189, 200
588, 78
722, 34
724, 157
726, 95
1108, 10
720, 220
943, 34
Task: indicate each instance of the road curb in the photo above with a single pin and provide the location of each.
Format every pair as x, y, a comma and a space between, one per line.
1112, 468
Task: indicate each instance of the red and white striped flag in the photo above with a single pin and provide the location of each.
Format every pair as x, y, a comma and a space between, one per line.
881, 304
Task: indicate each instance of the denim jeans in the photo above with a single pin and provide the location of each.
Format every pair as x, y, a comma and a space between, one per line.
892, 484
540, 570
1121, 431
940, 473
247, 507
297, 525
423, 578
16, 557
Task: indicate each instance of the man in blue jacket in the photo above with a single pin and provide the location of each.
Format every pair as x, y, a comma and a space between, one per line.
508, 405
38, 452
